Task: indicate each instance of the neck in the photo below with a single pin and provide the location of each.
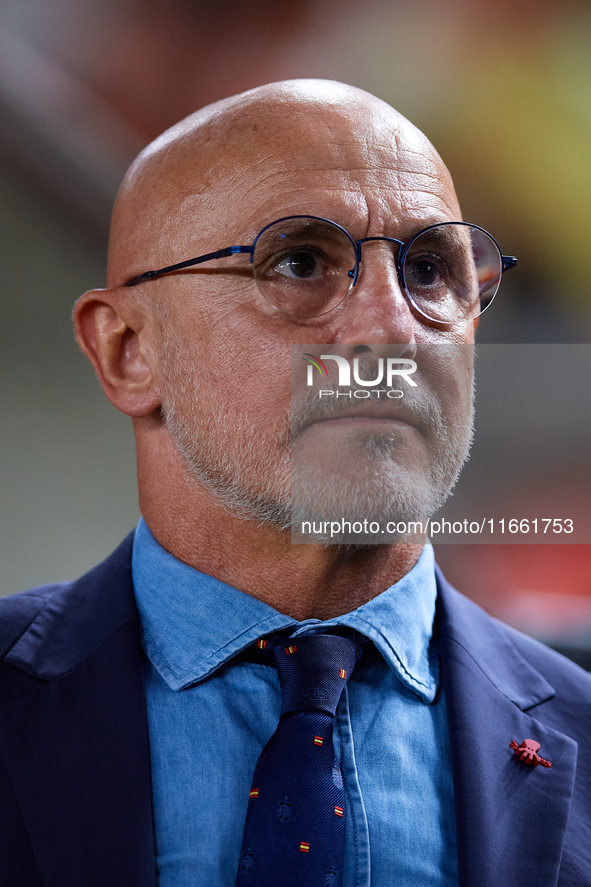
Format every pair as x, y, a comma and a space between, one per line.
302, 581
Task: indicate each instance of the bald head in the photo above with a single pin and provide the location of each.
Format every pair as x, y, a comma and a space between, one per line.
186, 185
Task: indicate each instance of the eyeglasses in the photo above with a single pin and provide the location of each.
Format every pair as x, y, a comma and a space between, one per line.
305, 266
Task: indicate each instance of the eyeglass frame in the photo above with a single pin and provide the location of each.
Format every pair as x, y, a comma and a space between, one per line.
507, 262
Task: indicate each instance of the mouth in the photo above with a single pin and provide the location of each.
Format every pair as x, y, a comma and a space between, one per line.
372, 416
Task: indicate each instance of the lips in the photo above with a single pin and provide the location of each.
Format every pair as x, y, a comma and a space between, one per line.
377, 411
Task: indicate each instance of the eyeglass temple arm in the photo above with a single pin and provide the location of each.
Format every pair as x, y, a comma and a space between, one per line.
219, 254
508, 262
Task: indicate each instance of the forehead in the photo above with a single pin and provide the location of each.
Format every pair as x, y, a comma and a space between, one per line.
365, 167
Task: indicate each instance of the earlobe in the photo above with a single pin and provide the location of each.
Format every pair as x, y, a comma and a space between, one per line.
114, 336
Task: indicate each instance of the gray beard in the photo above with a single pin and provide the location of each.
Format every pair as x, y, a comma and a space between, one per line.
246, 473
386, 493
261, 478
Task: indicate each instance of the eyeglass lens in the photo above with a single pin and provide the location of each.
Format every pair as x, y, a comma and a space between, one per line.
303, 266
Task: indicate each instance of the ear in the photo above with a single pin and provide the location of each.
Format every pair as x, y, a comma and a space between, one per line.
113, 332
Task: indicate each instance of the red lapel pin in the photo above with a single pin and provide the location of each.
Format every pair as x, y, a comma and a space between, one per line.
528, 752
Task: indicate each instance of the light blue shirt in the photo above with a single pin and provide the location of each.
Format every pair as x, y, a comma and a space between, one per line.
210, 714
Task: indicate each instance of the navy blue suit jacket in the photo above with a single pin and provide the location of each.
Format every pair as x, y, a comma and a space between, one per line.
75, 799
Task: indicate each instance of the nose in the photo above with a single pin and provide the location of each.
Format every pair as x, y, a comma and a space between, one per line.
376, 310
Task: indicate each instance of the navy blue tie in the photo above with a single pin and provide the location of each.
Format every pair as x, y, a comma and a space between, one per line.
295, 824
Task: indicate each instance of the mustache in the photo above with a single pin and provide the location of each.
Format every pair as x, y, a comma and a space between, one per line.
419, 406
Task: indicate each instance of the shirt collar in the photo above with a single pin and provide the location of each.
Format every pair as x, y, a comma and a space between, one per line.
193, 623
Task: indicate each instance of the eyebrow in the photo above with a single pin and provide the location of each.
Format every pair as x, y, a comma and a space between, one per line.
446, 235
302, 228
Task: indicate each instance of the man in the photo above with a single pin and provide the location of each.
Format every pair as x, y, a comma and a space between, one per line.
133, 707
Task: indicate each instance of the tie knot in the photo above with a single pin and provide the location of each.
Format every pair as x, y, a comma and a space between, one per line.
313, 669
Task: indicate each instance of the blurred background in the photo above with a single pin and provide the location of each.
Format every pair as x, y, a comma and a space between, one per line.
502, 88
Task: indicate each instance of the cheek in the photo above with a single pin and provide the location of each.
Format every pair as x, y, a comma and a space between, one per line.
241, 368
458, 408
448, 370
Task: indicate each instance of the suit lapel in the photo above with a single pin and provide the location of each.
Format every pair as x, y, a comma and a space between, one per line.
74, 734
511, 817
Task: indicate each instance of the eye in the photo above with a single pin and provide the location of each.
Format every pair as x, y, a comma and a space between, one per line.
423, 272
299, 265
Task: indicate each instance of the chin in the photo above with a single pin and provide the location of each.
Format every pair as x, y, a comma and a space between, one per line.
374, 495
